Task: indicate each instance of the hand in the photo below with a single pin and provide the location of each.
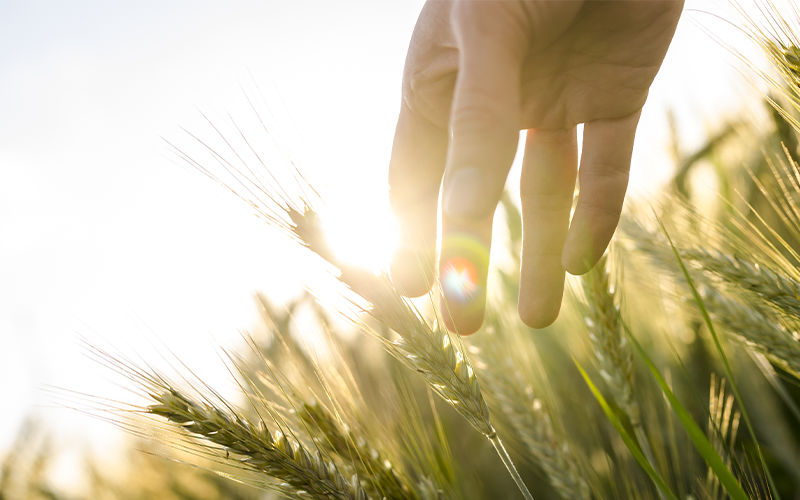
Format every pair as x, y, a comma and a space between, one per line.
478, 72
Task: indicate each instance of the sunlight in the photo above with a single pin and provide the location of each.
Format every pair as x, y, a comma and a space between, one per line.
362, 233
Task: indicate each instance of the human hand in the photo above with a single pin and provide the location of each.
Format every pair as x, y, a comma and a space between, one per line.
478, 72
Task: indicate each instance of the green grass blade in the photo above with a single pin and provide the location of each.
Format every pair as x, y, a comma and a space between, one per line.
629, 441
696, 434
723, 357
701, 402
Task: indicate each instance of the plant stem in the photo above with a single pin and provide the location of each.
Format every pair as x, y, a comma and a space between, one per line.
644, 444
510, 466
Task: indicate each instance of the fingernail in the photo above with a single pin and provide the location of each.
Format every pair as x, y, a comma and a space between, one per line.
464, 193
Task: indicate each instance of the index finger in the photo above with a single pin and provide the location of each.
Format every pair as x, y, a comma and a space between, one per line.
415, 174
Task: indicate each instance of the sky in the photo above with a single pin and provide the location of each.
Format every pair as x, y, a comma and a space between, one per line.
105, 235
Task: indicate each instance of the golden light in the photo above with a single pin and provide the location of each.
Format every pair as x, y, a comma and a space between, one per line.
362, 233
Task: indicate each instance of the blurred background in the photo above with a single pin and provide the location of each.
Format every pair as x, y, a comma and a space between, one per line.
104, 235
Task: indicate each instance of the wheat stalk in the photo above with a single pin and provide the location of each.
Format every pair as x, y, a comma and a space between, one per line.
277, 456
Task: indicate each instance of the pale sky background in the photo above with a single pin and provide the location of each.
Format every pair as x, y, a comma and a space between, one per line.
104, 235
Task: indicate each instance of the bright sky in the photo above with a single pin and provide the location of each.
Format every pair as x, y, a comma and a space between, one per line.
104, 235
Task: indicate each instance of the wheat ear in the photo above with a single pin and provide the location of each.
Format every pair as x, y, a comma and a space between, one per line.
612, 349
277, 456
723, 424
531, 422
750, 324
773, 287
355, 447
754, 327
779, 42
377, 474
429, 351
781, 291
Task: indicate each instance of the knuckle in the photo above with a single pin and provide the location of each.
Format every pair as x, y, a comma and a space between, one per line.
607, 179
428, 89
602, 211
478, 114
546, 202
615, 170
555, 137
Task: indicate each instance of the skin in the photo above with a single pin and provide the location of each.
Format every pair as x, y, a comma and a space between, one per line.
478, 72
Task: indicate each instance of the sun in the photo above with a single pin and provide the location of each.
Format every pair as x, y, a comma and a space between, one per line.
362, 234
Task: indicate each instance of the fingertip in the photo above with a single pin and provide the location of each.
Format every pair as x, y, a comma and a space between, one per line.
577, 267
463, 275
460, 320
540, 313
604, 175
581, 253
540, 292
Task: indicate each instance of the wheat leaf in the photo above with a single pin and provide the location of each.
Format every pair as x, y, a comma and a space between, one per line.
629, 441
723, 473
696, 434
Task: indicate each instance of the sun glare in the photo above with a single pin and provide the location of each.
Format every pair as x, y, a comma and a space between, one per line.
460, 279
362, 234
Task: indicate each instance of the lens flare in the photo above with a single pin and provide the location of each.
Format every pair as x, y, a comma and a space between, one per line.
460, 279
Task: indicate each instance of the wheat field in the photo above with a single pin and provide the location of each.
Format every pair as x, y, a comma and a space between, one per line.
673, 373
